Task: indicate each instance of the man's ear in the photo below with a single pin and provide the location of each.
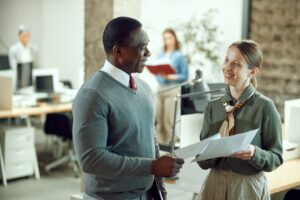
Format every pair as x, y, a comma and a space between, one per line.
116, 51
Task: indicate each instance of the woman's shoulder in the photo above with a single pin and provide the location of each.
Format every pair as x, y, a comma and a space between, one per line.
215, 103
263, 102
261, 98
178, 53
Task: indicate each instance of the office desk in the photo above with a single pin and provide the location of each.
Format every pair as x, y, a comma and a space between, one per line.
285, 177
26, 112
33, 111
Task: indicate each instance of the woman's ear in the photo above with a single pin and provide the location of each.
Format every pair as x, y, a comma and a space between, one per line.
254, 72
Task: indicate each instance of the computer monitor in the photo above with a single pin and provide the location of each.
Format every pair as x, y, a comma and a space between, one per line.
291, 120
44, 84
4, 62
46, 80
24, 75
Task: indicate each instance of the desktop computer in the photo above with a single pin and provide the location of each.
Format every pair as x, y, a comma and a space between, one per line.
44, 84
291, 119
46, 80
24, 75
4, 62
291, 142
33, 84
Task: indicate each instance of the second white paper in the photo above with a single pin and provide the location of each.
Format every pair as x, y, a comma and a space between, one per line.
226, 146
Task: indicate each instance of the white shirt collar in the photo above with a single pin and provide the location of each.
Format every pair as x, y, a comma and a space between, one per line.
116, 73
22, 46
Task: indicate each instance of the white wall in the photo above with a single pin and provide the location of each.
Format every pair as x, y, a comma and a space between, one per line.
57, 28
156, 15
63, 38
16, 12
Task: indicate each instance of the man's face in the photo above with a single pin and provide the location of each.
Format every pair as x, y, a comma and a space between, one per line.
134, 55
24, 38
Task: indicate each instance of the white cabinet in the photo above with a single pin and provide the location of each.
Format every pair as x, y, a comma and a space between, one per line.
18, 152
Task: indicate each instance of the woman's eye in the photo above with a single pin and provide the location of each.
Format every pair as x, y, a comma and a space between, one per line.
236, 64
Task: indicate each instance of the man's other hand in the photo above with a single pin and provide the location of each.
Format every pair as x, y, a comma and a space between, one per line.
166, 166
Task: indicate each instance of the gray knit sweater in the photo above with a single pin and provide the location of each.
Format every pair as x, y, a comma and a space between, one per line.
113, 133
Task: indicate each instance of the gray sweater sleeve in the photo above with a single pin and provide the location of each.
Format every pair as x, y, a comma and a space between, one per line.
90, 133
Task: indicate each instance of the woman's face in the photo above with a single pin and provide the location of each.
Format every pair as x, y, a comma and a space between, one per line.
169, 40
235, 69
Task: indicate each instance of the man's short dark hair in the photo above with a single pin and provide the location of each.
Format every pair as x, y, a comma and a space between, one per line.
117, 32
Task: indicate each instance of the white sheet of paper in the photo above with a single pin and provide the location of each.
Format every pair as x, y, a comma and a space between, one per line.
225, 146
195, 149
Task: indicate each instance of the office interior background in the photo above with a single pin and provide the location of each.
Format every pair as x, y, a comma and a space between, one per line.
68, 35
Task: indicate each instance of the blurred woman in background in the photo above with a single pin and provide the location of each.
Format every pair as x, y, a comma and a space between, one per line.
165, 101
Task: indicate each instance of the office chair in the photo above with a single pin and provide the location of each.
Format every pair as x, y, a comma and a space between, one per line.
292, 194
60, 125
67, 83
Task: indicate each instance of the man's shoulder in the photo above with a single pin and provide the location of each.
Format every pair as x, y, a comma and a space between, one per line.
14, 47
33, 47
143, 84
97, 80
95, 87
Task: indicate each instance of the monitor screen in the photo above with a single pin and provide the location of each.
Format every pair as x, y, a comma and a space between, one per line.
46, 80
24, 75
44, 83
4, 63
291, 120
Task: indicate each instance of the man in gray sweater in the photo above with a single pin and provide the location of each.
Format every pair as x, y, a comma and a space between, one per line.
113, 125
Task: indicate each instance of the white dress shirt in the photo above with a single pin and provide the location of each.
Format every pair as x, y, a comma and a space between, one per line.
25, 54
20, 54
118, 74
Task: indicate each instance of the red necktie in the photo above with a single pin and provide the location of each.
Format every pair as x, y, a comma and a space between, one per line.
132, 83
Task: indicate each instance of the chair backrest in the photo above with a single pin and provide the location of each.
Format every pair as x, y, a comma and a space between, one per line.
292, 194
67, 84
59, 124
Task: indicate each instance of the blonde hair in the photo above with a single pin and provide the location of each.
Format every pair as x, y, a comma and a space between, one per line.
253, 55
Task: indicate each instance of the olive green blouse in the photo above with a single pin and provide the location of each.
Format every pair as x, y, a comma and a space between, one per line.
259, 112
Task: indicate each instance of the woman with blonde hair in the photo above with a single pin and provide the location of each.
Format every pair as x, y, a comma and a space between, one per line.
242, 108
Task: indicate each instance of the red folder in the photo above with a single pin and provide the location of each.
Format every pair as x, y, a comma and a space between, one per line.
161, 69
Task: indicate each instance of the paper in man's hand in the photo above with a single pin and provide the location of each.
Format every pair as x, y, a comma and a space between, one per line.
195, 149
